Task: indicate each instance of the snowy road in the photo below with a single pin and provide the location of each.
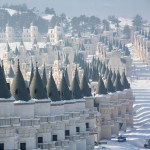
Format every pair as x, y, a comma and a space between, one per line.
141, 89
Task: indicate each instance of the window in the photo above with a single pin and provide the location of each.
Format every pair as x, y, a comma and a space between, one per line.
54, 137
22, 146
40, 139
1, 146
87, 125
16, 92
67, 133
50, 94
77, 129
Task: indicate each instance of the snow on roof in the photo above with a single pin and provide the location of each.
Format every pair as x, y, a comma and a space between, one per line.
28, 46
48, 17
10, 11
125, 21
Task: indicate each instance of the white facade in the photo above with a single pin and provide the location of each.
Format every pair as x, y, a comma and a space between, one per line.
55, 34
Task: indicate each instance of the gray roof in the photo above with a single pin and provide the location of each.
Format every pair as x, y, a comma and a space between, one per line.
32, 73
37, 90
4, 91
101, 87
52, 90
76, 92
65, 93
86, 91
117, 83
10, 72
44, 78
18, 87
67, 77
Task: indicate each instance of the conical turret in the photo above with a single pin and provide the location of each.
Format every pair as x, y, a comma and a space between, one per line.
37, 90
86, 91
10, 72
52, 90
113, 77
117, 83
65, 93
4, 91
44, 78
124, 81
75, 89
32, 73
101, 87
109, 85
18, 87
67, 77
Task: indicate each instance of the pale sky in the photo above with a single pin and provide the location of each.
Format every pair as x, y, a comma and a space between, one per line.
102, 8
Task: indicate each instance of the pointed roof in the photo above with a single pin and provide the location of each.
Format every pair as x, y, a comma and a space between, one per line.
37, 90
75, 60
94, 75
103, 69
77, 74
8, 47
106, 73
4, 91
65, 93
113, 77
3, 69
18, 88
110, 73
117, 83
67, 60
16, 51
67, 77
124, 81
101, 87
109, 85
44, 78
82, 47
32, 73
86, 91
75, 89
52, 90
10, 72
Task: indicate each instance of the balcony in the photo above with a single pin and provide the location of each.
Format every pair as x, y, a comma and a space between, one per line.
45, 146
7, 122
28, 122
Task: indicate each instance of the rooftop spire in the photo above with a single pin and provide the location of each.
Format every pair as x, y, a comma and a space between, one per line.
109, 85
44, 78
32, 72
86, 91
52, 90
18, 87
113, 77
101, 87
4, 92
117, 83
65, 93
76, 92
124, 81
67, 77
36, 87
76, 74
10, 72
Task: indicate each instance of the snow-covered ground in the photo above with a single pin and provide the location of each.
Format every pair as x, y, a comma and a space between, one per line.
137, 136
